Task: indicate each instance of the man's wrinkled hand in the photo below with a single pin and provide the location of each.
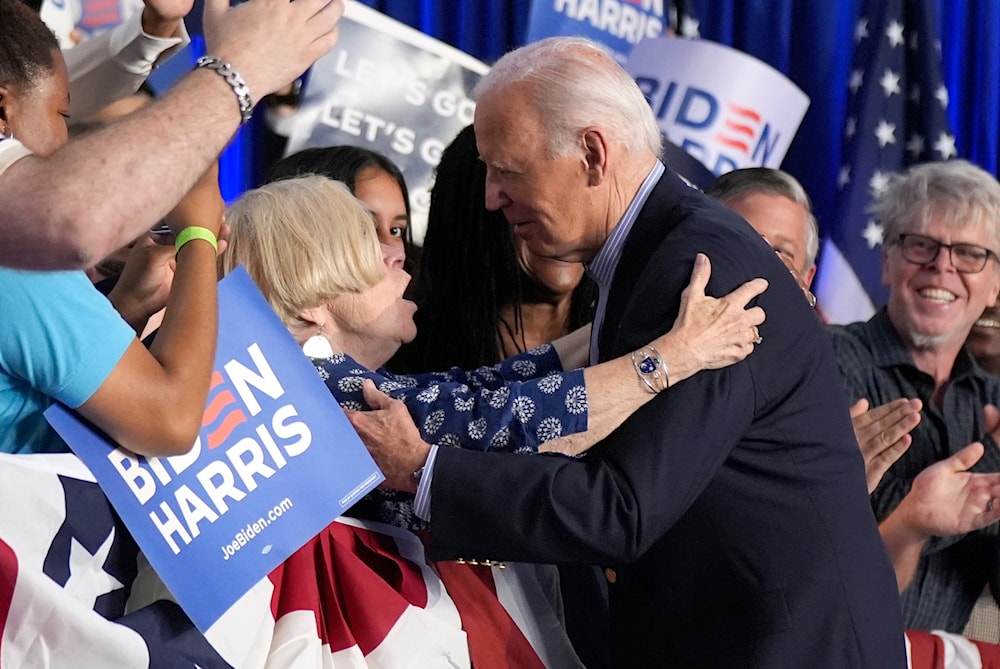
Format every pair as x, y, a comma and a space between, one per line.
391, 437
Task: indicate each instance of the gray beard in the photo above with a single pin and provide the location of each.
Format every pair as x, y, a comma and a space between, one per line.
926, 342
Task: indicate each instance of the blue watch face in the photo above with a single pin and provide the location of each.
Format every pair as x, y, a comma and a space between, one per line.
648, 365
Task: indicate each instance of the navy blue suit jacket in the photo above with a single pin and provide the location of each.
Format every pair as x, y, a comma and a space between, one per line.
733, 506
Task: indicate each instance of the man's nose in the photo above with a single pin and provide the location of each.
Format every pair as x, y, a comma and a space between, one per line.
496, 198
942, 260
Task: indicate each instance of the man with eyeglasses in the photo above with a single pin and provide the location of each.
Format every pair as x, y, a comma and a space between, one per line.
941, 231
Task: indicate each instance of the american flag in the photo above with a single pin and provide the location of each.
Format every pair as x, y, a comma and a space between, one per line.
76, 593
896, 116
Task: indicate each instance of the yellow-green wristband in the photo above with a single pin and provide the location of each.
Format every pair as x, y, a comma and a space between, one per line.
195, 232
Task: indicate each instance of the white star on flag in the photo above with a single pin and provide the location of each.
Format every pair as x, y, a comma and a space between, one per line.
872, 234
945, 146
87, 578
890, 83
843, 177
857, 78
860, 30
895, 34
942, 96
886, 133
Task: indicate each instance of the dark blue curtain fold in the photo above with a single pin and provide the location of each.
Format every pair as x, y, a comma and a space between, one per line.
480, 28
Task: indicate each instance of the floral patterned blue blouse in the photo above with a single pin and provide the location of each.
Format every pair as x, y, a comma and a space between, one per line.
514, 406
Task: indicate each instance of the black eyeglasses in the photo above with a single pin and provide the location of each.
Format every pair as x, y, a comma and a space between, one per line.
965, 258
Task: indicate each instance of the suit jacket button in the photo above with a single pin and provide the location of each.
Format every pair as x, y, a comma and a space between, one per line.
610, 574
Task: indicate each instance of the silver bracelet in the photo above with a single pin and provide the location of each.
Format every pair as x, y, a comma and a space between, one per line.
651, 368
235, 81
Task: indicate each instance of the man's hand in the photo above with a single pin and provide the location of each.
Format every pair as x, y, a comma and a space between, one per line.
271, 42
947, 500
883, 433
391, 437
162, 18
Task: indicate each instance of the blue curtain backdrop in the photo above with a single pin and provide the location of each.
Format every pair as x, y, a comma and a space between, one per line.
810, 41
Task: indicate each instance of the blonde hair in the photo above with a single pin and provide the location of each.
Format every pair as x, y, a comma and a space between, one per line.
304, 241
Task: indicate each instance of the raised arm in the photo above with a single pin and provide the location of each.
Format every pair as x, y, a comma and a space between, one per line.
114, 64
153, 401
55, 214
709, 333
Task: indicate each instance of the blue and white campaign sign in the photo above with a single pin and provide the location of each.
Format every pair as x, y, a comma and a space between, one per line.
724, 107
392, 89
275, 462
617, 24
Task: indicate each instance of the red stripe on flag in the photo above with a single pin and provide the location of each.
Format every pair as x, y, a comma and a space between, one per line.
8, 577
495, 640
989, 654
926, 650
353, 581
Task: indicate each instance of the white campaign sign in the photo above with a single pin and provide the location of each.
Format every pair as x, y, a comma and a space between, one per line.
392, 89
724, 107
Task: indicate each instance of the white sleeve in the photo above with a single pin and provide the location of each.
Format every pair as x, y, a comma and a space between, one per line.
114, 64
10, 151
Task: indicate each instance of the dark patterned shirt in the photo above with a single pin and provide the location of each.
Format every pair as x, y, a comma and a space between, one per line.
876, 365
515, 406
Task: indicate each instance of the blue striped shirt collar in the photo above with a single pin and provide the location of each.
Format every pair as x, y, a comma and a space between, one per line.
602, 268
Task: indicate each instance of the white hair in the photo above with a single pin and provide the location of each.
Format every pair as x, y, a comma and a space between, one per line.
576, 84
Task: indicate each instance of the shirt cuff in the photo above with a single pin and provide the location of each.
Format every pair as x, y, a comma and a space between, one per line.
422, 501
138, 52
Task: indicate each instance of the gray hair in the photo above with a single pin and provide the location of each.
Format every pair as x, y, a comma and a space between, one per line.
577, 84
956, 191
740, 182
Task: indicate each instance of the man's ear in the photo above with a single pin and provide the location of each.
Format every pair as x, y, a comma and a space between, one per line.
595, 153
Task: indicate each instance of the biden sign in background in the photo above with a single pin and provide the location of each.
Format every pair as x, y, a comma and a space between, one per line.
724, 107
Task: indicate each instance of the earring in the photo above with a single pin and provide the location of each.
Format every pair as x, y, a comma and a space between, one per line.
318, 346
